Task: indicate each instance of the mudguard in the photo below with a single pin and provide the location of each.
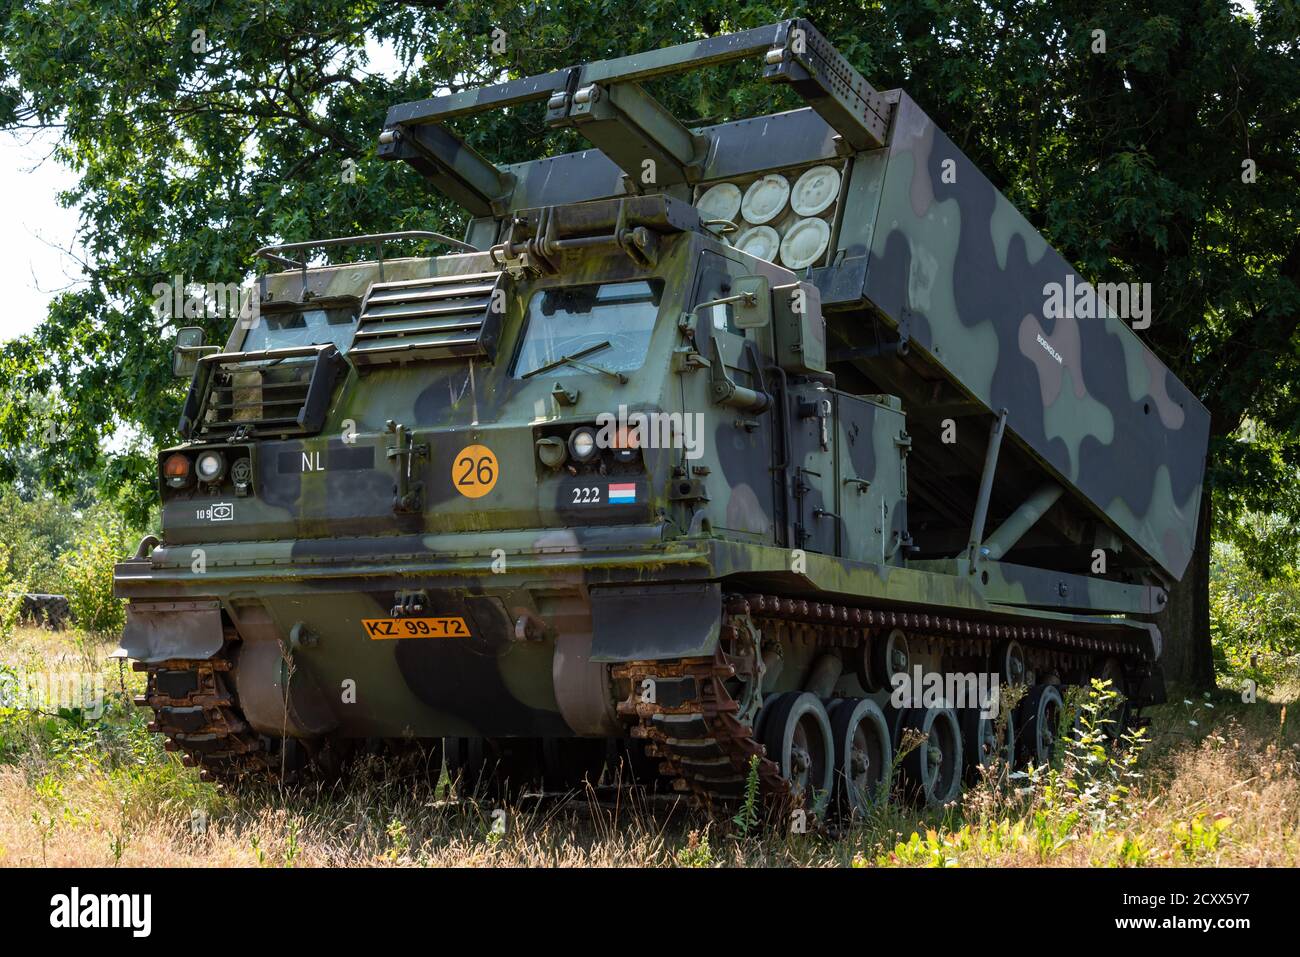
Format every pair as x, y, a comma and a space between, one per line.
655, 622
163, 630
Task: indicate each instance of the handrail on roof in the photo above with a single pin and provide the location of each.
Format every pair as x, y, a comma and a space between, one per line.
271, 252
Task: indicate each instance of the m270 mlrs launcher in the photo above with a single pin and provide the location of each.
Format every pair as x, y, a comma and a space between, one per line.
696, 449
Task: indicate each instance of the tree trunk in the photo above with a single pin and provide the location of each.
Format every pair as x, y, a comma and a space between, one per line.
1188, 658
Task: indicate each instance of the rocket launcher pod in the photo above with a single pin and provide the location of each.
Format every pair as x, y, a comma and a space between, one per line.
933, 287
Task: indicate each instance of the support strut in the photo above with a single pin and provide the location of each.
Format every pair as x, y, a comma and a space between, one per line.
973, 551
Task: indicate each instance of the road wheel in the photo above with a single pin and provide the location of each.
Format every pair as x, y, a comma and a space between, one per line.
863, 754
985, 747
1038, 724
797, 735
933, 769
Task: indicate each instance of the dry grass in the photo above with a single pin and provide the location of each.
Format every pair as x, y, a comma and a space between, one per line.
1224, 790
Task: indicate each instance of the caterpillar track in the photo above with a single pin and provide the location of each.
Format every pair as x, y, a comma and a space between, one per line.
195, 707
704, 722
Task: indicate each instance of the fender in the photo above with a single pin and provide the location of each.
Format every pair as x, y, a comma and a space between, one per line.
655, 622
163, 630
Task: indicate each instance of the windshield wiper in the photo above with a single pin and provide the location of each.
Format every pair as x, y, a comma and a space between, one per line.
572, 359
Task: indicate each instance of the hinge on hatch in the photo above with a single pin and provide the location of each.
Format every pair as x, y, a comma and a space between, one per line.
407, 494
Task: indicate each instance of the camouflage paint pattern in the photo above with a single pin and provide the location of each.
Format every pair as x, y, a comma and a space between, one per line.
956, 262
807, 493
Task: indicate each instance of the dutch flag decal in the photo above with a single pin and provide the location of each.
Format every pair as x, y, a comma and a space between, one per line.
621, 494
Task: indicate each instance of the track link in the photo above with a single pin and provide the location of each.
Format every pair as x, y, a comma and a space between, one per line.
704, 748
705, 738
195, 708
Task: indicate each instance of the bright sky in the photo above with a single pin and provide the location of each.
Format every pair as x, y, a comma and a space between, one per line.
33, 229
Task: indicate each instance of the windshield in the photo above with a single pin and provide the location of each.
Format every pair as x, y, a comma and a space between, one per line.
308, 327
580, 319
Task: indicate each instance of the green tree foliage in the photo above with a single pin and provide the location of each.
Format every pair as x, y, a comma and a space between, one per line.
1256, 620
194, 148
36, 530
87, 574
11, 592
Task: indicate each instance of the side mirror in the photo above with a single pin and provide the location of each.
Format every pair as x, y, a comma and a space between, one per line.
753, 309
185, 353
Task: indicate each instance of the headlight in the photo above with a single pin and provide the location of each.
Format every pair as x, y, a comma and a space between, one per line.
582, 444
176, 470
209, 466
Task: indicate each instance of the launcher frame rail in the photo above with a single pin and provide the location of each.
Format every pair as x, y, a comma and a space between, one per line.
606, 103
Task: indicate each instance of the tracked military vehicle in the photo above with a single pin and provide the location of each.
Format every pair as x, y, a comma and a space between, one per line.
703, 441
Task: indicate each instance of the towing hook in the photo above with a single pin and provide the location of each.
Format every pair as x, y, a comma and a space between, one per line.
146, 546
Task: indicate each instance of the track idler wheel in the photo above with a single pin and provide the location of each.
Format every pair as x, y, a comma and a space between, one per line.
863, 755
1038, 724
797, 736
933, 769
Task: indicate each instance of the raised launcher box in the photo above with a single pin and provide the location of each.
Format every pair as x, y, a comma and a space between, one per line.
931, 282
952, 267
